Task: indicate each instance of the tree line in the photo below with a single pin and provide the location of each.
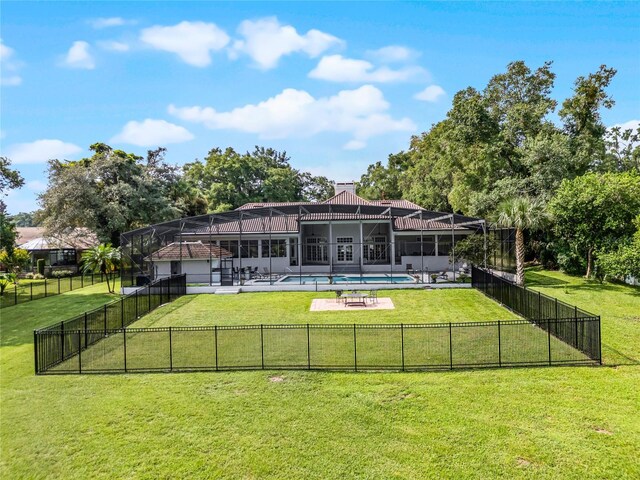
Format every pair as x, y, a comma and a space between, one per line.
507, 154
113, 191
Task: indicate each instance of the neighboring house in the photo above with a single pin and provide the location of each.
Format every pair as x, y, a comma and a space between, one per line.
60, 252
342, 235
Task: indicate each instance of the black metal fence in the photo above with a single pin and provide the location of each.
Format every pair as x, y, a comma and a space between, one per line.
34, 290
580, 330
313, 347
58, 343
554, 333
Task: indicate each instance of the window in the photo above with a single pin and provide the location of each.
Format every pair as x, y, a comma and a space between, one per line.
316, 250
375, 248
249, 249
230, 245
278, 248
411, 246
344, 239
62, 257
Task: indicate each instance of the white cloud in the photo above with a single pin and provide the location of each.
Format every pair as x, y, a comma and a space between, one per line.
110, 22
631, 124
393, 53
150, 133
336, 68
79, 56
430, 94
40, 151
360, 113
36, 186
191, 41
9, 67
266, 40
114, 46
354, 145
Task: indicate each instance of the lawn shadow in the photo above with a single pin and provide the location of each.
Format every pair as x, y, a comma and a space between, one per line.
18, 322
534, 279
628, 361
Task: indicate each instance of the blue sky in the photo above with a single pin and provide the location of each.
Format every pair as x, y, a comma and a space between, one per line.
337, 85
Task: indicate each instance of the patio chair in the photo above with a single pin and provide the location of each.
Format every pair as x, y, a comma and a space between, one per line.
338, 295
373, 296
410, 268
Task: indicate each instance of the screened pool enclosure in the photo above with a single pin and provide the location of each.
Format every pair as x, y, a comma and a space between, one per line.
289, 243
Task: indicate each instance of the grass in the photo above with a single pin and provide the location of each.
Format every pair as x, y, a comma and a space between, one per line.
560, 422
322, 347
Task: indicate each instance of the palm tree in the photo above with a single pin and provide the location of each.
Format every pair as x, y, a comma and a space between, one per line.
521, 213
104, 259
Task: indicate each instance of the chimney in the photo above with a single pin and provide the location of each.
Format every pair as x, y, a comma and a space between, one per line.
349, 187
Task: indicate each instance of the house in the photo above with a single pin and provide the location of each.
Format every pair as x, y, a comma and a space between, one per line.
61, 252
344, 235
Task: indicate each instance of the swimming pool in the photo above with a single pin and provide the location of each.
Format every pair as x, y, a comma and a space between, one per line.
346, 279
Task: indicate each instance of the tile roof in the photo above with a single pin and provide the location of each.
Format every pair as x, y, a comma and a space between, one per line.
190, 250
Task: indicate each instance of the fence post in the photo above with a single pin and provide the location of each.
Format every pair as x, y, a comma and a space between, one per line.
355, 349
105, 319
148, 296
58, 285
15, 294
549, 335
35, 350
308, 348
71, 282
136, 295
31, 291
61, 341
91, 278
262, 344
499, 346
575, 316
402, 343
215, 336
45, 288
599, 341
79, 353
539, 305
86, 342
450, 347
122, 312
170, 352
555, 332
82, 280
124, 344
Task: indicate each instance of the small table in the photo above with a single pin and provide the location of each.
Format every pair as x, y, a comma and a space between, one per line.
355, 299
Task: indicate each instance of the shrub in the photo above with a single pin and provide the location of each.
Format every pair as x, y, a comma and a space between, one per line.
29, 276
61, 273
40, 266
37, 276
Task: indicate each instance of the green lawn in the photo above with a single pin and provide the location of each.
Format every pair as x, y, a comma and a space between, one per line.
560, 422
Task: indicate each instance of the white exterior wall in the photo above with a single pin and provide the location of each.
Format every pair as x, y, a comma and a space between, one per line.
197, 271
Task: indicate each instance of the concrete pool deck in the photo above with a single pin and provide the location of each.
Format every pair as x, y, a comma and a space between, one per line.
331, 305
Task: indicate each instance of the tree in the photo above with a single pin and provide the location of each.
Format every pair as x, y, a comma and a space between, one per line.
473, 248
25, 219
623, 150
228, 179
8, 233
15, 260
595, 212
521, 213
104, 259
623, 261
9, 179
109, 193
582, 121
7, 279
384, 183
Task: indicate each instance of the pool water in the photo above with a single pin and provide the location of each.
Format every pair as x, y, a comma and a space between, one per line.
342, 279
